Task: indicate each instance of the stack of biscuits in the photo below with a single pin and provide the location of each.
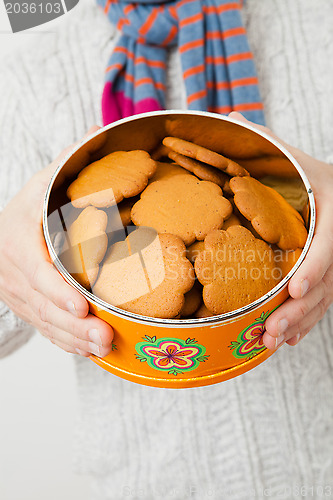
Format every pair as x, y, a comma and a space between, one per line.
184, 232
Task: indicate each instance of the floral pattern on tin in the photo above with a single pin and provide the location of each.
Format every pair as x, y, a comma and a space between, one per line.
171, 355
249, 342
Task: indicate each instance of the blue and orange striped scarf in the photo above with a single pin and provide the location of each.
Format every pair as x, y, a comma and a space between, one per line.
217, 63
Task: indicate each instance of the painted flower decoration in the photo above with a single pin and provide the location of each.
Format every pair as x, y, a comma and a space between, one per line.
249, 342
172, 355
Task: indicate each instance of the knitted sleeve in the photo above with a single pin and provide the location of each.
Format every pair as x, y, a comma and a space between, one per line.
20, 159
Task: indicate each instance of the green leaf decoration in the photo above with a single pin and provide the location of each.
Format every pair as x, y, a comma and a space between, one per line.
174, 372
150, 339
113, 347
190, 341
252, 355
140, 358
203, 358
234, 344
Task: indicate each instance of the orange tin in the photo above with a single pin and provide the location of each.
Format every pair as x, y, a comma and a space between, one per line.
177, 353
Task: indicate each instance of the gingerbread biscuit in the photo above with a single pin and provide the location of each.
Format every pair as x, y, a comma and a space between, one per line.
85, 246
269, 165
119, 216
233, 220
203, 171
204, 155
193, 250
183, 206
245, 223
292, 190
203, 312
146, 274
274, 219
235, 269
160, 152
197, 247
227, 189
193, 300
165, 170
105, 182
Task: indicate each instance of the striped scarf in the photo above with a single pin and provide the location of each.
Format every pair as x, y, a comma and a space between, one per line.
217, 63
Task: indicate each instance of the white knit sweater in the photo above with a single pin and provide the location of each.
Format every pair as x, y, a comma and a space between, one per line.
271, 428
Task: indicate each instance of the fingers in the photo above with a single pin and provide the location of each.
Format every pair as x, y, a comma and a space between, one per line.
298, 331
318, 259
33, 271
292, 311
46, 280
79, 336
91, 131
52, 167
43, 278
238, 116
71, 350
90, 329
297, 316
70, 343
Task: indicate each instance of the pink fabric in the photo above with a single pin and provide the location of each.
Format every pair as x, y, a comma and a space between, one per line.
115, 105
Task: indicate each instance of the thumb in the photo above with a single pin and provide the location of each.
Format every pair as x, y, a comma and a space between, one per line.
235, 115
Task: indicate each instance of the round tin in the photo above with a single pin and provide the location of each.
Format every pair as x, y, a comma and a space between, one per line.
177, 353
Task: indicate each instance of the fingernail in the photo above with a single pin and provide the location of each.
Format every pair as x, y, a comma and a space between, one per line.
82, 353
304, 287
282, 325
297, 337
71, 307
94, 349
95, 337
279, 340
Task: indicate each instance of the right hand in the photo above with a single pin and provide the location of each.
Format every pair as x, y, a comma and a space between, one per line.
32, 287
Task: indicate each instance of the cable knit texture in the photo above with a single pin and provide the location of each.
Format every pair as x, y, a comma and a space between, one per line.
271, 428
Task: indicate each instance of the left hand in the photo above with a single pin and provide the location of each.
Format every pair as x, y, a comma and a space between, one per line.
311, 287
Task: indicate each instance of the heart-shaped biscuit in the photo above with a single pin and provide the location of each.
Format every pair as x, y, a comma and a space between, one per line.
85, 246
182, 205
105, 182
146, 274
235, 269
274, 219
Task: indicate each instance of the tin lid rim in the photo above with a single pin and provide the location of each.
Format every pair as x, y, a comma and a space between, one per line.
190, 322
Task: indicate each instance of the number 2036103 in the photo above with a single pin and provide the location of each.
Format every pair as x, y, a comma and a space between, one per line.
33, 8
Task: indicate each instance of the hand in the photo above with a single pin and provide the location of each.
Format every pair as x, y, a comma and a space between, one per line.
311, 287
32, 287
